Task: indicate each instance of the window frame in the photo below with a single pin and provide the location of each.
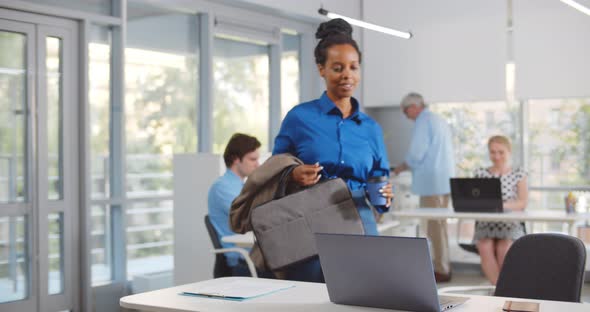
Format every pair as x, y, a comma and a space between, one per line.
525, 106
523, 144
117, 202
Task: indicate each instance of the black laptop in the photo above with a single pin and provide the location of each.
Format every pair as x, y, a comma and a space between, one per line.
476, 195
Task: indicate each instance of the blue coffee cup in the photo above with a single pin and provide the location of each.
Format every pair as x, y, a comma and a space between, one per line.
374, 184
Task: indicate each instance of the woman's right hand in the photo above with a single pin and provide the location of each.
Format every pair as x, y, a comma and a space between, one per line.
307, 175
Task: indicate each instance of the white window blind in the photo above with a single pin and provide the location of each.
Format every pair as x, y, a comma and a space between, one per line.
458, 52
551, 49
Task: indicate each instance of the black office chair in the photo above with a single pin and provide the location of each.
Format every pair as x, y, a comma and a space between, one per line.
538, 266
221, 268
545, 267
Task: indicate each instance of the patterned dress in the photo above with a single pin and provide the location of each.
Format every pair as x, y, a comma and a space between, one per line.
501, 230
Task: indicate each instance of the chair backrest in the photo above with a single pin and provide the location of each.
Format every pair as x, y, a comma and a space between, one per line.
212, 233
221, 269
545, 267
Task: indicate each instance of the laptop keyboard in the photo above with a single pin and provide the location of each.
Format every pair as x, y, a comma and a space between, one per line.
443, 300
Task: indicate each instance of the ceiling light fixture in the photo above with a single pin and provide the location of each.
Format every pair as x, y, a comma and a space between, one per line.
389, 31
577, 6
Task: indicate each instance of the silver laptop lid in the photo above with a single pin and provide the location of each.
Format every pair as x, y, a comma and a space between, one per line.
378, 271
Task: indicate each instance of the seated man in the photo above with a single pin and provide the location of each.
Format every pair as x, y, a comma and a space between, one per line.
241, 158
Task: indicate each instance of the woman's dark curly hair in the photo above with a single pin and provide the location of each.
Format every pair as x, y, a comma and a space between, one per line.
333, 32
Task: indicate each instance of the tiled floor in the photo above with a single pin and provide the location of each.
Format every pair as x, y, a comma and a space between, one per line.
472, 276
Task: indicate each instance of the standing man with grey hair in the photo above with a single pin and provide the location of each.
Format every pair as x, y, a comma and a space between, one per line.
430, 158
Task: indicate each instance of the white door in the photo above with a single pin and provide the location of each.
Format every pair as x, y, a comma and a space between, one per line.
39, 194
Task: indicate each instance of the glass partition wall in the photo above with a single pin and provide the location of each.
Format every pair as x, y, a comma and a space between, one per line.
241, 91
39, 195
95, 172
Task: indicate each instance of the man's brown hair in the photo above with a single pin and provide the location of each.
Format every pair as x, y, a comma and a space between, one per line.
239, 145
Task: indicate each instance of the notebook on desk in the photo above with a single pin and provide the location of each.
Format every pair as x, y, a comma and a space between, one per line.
237, 290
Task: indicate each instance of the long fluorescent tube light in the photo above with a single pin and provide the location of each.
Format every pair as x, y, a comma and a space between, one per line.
389, 31
577, 6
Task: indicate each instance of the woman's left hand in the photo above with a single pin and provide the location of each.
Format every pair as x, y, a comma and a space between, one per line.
387, 192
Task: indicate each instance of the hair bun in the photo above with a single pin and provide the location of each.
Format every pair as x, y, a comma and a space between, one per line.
333, 27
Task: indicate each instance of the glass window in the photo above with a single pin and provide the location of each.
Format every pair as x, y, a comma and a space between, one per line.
99, 98
56, 249
290, 93
241, 91
161, 97
471, 130
546, 199
13, 137
14, 241
161, 107
101, 251
103, 7
555, 117
490, 119
559, 146
53, 65
13, 259
555, 200
150, 237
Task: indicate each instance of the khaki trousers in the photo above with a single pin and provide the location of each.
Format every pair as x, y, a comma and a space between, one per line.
436, 231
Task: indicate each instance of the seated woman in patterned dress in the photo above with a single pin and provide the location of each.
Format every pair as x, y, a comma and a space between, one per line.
493, 239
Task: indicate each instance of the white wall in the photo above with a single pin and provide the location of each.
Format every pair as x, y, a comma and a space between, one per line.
458, 52
397, 131
551, 50
177, 37
193, 175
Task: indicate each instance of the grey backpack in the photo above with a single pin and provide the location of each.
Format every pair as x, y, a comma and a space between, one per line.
285, 227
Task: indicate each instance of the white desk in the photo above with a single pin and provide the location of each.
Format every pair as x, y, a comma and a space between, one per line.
247, 240
527, 215
304, 297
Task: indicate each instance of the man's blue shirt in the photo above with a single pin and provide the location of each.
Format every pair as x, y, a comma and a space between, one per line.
430, 156
221, 194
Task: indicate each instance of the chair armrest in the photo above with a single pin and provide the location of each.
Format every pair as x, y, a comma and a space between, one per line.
463, 289
244, 254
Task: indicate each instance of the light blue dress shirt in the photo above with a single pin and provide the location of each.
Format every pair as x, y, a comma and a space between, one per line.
430, 156
221, 194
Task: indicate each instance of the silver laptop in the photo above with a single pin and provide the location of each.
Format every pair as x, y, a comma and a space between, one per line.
381, 272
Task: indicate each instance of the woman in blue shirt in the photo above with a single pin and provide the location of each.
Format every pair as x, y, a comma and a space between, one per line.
331, 136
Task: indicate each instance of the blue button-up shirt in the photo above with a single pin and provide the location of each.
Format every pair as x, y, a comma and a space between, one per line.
430, 156
350, 148
221, 194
